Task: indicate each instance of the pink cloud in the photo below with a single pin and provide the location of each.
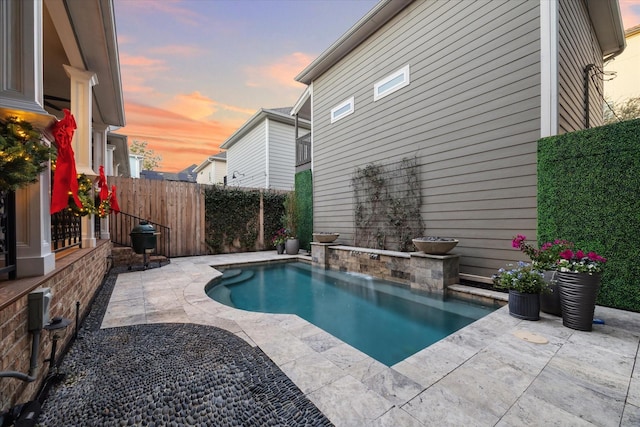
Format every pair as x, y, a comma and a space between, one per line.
198, 106
178, 50
280, 72
180, 140
630, 10
174, 8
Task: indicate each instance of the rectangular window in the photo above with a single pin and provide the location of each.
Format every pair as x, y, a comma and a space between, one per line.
342, 110
391, 83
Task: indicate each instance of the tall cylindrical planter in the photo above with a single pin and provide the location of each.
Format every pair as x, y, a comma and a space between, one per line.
550, 300
524, 306
578, 293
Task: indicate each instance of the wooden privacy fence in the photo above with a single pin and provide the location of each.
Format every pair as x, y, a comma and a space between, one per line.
177, 205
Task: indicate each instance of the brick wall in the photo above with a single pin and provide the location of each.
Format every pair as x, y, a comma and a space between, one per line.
388, 265
76, 278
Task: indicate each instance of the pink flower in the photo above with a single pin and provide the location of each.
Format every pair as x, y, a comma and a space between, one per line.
517, 241
566, 254
579, 254
546, 246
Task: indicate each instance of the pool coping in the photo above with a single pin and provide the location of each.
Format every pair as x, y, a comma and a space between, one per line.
349, 387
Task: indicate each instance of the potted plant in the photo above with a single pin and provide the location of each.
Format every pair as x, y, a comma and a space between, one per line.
434, 245
290, 222
546, 260
279, 239
579, 281
525, 284
325, 237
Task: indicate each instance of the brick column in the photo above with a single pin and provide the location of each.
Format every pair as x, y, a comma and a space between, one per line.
433, 273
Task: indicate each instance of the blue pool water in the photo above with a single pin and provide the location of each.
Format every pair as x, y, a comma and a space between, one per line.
386, 321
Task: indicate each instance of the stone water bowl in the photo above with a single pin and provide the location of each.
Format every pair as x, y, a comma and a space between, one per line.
325, 237
434, 245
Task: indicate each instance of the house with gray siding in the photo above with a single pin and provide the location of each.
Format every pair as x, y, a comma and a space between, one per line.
213, 170
466, 88
261, 153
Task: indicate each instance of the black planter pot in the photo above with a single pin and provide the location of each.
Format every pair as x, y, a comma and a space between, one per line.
578, 293
550, 300
280, 248
524, 306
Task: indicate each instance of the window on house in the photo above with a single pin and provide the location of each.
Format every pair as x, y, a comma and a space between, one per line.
391, 83
342, 110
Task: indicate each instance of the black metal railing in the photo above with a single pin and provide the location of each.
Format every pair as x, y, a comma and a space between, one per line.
303, 150
66, 230
122, 223
8, 251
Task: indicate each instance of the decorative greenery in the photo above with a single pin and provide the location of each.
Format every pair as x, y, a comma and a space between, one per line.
23, 154
580, 262
588, 187
280, 237
304, 195
232, 217
545, 258
387, 203
521, 278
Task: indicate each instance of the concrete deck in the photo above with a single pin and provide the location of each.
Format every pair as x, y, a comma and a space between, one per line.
491, 373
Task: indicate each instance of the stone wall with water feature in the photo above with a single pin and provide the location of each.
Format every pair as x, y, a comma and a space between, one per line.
430, 273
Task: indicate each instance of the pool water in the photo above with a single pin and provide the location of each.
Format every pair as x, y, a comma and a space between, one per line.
385, 320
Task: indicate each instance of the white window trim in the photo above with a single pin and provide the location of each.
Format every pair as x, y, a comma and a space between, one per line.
349, 102
404, 71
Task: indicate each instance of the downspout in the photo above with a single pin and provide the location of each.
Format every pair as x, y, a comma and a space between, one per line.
266, 129
585, 76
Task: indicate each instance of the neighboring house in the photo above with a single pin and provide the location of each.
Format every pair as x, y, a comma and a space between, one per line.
213, 170
625, 84
185, 175
467, 88
261, 153
59, 54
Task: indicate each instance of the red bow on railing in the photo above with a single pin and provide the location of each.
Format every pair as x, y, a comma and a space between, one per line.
113, 200
102, 184
65, 180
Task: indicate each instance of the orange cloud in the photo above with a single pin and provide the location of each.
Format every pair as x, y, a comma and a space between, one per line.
180, 140
630, 10
198, 106
280, 72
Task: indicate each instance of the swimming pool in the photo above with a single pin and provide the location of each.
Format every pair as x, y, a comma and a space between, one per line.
382, 319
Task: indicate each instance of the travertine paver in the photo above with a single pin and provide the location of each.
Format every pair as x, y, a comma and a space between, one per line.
482, 375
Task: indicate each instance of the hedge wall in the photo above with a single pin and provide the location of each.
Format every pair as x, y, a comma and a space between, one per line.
589, 193
304, 199
232, 218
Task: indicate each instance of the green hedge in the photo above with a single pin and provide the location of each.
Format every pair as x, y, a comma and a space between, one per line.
232, 218
589, 193
304, 199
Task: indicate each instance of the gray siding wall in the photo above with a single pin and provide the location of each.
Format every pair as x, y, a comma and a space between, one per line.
471, 115
577, 47
282, 155
247, 156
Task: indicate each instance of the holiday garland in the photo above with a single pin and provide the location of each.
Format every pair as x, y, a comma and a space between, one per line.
23, 154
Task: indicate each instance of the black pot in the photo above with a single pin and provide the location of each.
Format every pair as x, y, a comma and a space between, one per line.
550, 300
578, 293
524, 306
280, 248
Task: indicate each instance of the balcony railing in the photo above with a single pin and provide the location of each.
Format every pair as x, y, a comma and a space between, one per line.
303, 150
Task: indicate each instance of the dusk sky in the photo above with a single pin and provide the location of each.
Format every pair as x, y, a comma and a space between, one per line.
193, 71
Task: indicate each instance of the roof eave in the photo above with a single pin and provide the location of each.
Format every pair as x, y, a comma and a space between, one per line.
367, 25
607, 23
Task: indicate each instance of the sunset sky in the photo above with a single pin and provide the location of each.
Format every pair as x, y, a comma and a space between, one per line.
193, 71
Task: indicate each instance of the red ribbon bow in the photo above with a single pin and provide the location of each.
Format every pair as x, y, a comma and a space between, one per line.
65, 180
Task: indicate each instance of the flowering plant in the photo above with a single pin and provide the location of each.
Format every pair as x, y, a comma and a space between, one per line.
580, 262
280, 236
523, 278
545, 258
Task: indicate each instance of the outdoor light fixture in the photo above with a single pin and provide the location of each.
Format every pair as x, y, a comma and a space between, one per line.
236, 174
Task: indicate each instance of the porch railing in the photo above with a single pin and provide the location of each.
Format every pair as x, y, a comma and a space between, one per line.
66, 230
303, 150
122, 223
8, 251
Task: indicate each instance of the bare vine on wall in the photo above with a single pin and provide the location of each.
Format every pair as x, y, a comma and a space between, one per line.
387, 200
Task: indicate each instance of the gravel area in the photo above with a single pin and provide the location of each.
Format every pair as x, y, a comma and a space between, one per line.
170, 374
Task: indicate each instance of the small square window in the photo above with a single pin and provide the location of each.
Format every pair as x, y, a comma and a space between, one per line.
342, 110
391, 83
